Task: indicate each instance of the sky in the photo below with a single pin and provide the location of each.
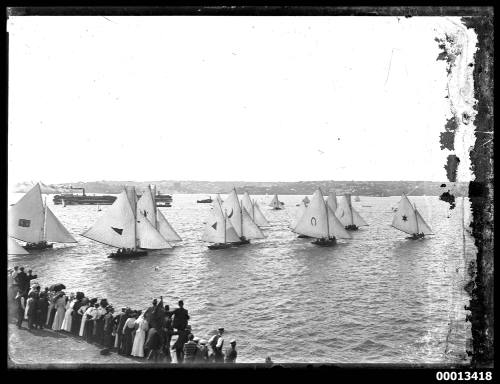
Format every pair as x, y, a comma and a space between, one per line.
226, 98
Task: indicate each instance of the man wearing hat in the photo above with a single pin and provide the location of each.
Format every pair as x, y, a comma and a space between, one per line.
190, 348
216, 342
231, 353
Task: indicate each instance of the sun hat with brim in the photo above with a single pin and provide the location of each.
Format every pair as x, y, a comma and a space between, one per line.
233, 341
203, 341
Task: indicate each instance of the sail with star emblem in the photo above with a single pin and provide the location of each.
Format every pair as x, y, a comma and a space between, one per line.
407, 219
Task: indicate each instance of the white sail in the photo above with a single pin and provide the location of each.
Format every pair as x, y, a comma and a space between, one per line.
218, 228
300, 211
167, 231
116, 226
335, 227
405, 218
132, 197
347, 214
148, 236
55, 231
275, 203
13, 248
246, 201
249, 229
258, 216
26, 217
331, 200
423, 227
232, 206
146, 206
313, 222
218, 198
214, 229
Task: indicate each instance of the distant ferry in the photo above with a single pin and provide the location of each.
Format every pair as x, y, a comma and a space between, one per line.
83, 199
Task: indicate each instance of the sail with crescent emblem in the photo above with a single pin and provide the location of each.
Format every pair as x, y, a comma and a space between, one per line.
313, 221
232, 206
347, 214
218, 228
123, 225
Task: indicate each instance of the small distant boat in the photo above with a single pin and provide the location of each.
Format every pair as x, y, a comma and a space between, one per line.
32, 221
348, 216
306, 200
409, 220
319, 221
275, 203
205, 201
357, 199
125, 225
99, 208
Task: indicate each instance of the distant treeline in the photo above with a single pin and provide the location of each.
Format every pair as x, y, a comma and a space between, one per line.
362, 188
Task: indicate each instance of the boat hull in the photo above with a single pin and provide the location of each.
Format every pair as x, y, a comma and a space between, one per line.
325, 242
416, 236
38, 246
221, 246
351, 227
206, 201
122, 255
304, 237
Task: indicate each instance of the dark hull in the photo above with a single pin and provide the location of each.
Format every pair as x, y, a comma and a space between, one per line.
351, 227
221, 246
204, 201
38, 246
304, 237
416, 236
123, 255
83, 200
324, 242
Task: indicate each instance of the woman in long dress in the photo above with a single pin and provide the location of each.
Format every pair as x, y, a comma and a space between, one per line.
81, 313
68, 316
140, 336
60, 306
128, 330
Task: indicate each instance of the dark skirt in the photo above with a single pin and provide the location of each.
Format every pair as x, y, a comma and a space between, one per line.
88, 330
76, 323
51, 317
128, 341
99, 331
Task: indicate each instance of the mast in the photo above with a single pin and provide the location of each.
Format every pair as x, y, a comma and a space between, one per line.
350, 209
44, 228
327, 221
415, 212
134, 211
154, 205
225, 228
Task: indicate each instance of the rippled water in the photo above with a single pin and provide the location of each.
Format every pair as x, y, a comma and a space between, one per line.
376, 298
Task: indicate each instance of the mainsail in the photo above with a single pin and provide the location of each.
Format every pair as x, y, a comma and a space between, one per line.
218, 228
318, 220
407, 219
13, 248
116, 227
124, 226
240, 218
331, 200
26, 217
347, 214
147, 235
32, 221
146, 205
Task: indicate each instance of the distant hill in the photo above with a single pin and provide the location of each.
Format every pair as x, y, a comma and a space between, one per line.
362, 188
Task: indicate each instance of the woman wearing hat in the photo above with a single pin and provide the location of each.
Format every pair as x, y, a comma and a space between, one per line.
68, 318
60, 306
